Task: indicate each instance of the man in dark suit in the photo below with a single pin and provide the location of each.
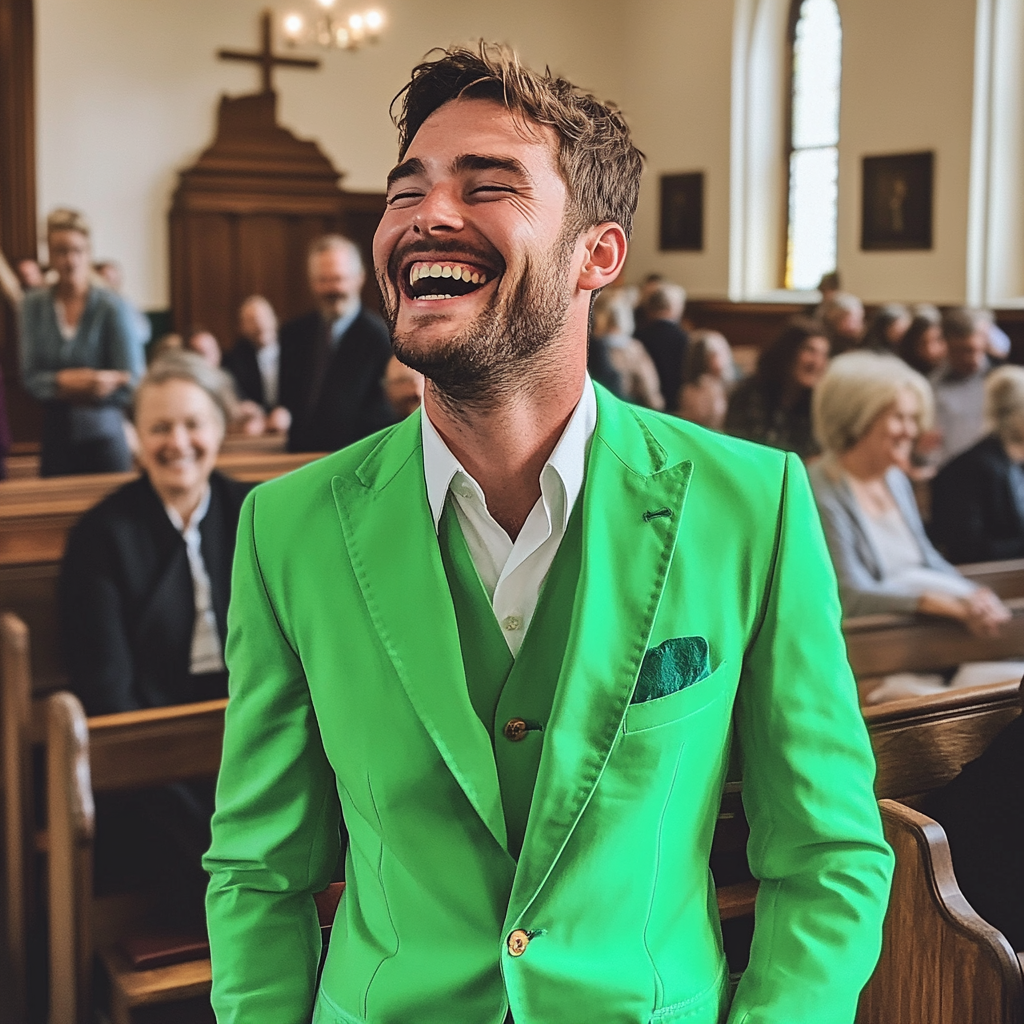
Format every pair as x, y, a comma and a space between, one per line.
664, 338
333, 359
255, 361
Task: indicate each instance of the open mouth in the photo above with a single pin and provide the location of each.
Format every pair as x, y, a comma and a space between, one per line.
445, 280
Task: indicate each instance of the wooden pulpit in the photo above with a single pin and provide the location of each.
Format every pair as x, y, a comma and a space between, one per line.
244, 214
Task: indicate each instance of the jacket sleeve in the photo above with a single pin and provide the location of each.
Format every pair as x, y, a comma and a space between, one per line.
816, 840
37, 377
122, 348
94, 635
276, 826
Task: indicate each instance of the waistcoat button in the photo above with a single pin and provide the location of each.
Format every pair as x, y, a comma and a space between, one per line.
517, 942
515, 730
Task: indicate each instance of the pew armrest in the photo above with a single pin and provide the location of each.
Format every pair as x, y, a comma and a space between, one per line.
940, 961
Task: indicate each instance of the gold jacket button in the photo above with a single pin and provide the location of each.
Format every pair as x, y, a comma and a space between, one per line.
517, 942
515, 729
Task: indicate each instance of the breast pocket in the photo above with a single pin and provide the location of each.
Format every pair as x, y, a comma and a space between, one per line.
679, 705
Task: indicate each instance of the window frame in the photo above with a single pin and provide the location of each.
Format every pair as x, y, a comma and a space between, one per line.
788, 148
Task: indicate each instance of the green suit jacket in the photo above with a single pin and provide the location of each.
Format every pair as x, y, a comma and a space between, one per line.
348, 696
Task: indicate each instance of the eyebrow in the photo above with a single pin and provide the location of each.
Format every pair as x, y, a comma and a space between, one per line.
462, 163
406, 169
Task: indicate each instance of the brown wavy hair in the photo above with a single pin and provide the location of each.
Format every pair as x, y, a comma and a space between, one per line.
596, 156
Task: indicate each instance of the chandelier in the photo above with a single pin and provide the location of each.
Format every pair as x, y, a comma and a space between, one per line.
327, 28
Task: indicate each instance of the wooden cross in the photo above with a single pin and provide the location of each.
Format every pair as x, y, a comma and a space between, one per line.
266, 58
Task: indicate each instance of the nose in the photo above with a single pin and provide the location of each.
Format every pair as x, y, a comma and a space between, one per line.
439, 211
178, 438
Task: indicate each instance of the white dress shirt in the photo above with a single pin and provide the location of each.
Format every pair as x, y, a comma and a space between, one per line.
268, 359
513, 573
207, 651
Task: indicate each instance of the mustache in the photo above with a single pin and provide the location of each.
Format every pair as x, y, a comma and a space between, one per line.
488, 255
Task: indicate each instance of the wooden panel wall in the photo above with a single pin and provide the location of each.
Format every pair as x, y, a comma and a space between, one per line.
244, 215
18, 229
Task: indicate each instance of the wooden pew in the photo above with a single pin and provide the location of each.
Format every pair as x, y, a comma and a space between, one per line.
21, 725
26, 465
878, 645
113, 753
940, 962
1005, 578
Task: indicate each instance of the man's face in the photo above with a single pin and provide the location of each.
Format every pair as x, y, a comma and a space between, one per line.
471, 255
967, 355
336, 279
256, 321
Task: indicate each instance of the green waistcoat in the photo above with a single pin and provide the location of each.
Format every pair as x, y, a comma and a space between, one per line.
504, 689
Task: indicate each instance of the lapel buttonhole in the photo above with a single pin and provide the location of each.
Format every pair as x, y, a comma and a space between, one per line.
661, 513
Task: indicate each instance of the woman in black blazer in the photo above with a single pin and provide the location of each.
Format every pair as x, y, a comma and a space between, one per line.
143, 600
978, 497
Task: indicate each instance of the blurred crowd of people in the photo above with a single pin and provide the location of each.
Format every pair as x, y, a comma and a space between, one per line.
911, 425
323, 379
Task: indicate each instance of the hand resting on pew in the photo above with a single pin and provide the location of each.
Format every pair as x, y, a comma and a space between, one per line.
980, 611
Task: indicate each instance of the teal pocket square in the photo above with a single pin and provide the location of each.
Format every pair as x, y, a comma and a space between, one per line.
672, 666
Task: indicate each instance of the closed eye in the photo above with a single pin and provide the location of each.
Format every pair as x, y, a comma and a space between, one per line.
404, 197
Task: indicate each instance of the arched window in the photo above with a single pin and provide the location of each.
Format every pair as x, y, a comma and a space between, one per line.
817, 40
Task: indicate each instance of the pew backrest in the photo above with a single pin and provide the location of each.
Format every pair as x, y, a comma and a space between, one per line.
923, 743
107, 753
878, 645
940, 962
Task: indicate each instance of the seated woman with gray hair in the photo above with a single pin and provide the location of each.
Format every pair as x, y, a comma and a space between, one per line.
142, 605
978, 497
867, 411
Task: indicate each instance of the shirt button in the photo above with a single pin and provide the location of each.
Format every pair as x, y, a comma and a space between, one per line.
512, 623
517, 942
515, 729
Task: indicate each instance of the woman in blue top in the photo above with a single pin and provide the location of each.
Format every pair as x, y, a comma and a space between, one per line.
80, 357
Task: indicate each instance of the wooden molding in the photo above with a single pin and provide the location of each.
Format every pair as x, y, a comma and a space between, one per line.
18, 228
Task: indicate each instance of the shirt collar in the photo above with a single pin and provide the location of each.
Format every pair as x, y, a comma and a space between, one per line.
197, 517
568, 459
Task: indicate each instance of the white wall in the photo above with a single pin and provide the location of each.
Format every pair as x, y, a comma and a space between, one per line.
676, 95
908, 76
128, 89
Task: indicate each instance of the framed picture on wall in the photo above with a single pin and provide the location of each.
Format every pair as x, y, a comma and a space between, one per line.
896, 205
682, 212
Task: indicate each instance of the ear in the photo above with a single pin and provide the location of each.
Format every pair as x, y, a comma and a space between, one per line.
604, 254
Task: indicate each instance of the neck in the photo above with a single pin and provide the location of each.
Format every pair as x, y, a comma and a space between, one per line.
505, 443
863, 466
185, 503
71, 289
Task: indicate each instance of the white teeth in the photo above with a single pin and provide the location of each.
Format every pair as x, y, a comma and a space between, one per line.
457, 273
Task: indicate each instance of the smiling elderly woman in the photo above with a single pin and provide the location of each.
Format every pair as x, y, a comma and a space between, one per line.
143, 600
867, 411
144, 583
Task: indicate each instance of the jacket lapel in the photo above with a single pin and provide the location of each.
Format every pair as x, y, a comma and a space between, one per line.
633, 501
394, 552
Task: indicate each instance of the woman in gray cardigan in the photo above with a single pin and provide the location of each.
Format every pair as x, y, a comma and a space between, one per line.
80, 357
867, 411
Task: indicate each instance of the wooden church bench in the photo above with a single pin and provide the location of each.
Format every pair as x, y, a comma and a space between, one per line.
1006, 578
940, 963
113, 753
22, 726
878, 645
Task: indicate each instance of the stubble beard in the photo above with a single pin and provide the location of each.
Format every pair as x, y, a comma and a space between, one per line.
495, 354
